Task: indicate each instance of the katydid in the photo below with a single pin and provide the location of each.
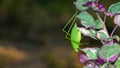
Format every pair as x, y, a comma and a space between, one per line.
75, 35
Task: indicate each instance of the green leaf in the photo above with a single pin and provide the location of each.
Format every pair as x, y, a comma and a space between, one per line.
86, 19
114, 8
117, 20
91, 52
99, 24
111, 66
116, 37
88, 32
86, 67
117, 63
102, 35
75, 37
86, 24
104, 65
108, 51
91, 33
79, 4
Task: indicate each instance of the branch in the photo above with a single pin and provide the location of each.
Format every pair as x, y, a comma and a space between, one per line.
103, 23
114, 30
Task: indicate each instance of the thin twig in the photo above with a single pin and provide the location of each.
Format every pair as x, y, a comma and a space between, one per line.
114, 30
105, 18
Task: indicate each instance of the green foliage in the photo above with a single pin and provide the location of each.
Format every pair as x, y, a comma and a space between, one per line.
111, 66
91, 33
75, 37
79, 4
86, 19
108, 51
86, 67
104, 65
96, 29
98, 24
116, 37
91, 53
88, 32
102, 35
117, 63
114, 8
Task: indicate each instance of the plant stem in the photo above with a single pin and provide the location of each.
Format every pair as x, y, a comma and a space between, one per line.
103, 23
104, 26
113, 30
107, 63
105, 18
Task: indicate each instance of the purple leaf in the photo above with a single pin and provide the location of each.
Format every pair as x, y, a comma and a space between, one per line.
88, 4
100, 61
113, 59
83, 58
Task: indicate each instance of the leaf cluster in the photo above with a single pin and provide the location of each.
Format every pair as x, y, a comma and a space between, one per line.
107, 56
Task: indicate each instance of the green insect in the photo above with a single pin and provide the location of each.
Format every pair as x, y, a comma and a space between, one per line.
75, 37
73, 33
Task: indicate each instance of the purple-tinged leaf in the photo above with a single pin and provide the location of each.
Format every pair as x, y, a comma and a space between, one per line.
102, 35
91, 53
110, 42
100, 61
88, 4
83, 58
113, 58
117, 20
91, 33
79, 4
107, 52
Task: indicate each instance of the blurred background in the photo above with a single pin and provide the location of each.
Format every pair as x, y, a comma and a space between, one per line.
31, 34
